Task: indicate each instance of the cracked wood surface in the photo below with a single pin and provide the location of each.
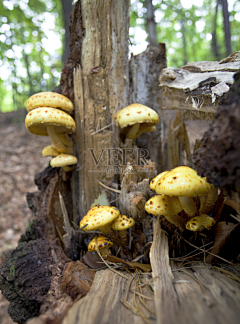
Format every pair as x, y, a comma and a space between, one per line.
196, 294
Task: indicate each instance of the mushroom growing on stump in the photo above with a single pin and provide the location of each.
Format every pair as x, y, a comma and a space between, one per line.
199, 223
64, 161
121, 224
49, 99
100, 217
50, 151
50, 121
169, 207
101, 243
136, 119
184, 183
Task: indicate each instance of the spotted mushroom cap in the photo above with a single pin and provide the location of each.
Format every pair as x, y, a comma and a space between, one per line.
122, 223
136, 113
155, 180
182, 181
199, 223
101, 241
50, 151
49, 99
63, 160
163, 205
99, 216
38, 119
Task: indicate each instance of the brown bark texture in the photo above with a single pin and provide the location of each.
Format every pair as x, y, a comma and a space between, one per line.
219, 155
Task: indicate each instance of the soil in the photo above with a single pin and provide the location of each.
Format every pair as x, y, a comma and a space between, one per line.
20, 160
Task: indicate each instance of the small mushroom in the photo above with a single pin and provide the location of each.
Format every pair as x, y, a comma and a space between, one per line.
136, 119
50, 151
101, 243
121, 224
184, 183
49, 121
169, 207
64, 161
199, 223
49, 99
100, 217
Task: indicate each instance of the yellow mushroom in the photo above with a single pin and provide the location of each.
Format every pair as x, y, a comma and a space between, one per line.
184, 183
100, 217
121, 224
199, 223
136, 119
49, 99
101, 243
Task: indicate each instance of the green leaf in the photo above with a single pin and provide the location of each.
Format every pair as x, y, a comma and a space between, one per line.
101, 200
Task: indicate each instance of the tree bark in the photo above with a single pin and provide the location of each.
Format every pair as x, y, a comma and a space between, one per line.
66, 11
151, 25
226, 25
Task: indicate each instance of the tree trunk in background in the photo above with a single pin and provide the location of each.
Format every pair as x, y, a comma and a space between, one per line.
151, 25
226, 27
66, 11
215, 47
183, 29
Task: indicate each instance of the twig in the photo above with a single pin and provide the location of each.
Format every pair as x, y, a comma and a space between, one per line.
109, 188
236, 218
230, 274
99, 130
217, 256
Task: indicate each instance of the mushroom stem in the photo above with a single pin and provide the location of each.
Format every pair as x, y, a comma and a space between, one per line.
188, 205
66, 140
57, 143
107, 230
144, 129
210, 200
123, 238
132, 133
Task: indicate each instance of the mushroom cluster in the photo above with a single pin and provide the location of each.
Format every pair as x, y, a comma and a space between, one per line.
107, 220
178, 191
49, 115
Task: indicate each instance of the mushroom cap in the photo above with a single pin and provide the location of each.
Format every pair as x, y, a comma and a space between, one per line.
50, 151
198, 223
38, 119
49, 99
163, 205
155, 180
136, 113
101, 241
99, 216
63, 160
122, 223
182, 181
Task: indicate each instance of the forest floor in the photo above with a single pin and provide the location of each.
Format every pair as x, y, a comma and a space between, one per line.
20, 160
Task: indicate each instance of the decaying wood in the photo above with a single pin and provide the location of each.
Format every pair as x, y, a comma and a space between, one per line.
197, 86
219, 153
193, 294
100, 87
111, 300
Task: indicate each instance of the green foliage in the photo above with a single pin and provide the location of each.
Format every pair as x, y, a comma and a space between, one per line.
194, 23
29, 28
28, 62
